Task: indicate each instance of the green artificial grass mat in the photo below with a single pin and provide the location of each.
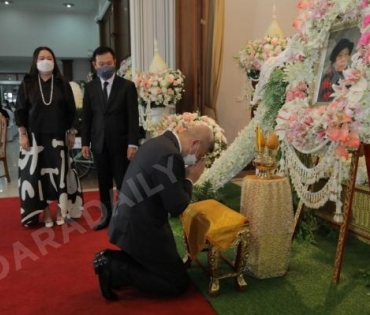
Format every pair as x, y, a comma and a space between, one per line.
306, 288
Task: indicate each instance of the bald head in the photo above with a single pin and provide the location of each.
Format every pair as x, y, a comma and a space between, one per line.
200, 137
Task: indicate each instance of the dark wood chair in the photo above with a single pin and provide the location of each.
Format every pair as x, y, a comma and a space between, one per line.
3, 141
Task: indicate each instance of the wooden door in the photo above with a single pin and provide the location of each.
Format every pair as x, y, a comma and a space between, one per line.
189, 43
115, 29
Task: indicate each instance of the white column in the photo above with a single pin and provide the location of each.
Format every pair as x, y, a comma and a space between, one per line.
150, 20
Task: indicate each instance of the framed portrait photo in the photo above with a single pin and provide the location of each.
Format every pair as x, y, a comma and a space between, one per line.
336, 55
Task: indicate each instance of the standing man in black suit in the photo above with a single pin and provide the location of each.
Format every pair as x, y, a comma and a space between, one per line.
156, 184
110, 124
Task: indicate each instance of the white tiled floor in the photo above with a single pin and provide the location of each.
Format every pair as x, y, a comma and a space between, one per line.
89, 182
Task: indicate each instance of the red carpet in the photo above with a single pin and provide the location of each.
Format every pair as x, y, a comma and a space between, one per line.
49, 271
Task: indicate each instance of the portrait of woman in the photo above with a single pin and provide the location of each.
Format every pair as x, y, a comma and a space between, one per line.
339, 58
336, 57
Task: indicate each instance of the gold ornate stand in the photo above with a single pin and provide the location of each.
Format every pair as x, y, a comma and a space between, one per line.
237, 267
211, 227
267, 203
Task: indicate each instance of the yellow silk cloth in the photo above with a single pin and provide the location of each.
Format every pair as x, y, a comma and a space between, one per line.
212, 221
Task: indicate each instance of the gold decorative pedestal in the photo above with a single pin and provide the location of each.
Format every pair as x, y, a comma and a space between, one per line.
267, 203
212, 227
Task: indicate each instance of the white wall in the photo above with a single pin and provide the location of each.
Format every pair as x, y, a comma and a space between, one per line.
245, 20
70, 35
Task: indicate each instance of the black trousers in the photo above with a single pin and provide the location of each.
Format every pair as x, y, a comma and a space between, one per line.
164, 279
110, 167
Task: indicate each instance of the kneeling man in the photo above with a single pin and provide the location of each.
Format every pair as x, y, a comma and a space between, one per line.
158, 182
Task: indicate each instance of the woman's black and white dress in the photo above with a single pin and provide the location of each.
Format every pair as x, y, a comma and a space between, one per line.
46, 171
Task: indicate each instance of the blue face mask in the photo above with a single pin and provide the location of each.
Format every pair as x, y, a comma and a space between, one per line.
105, 72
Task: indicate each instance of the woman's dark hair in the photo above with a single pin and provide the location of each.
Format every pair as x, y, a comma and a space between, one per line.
30, 84
34, 71
103, 50
342, 44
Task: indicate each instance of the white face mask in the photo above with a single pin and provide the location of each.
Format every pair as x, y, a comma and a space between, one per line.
191, 159
45, 65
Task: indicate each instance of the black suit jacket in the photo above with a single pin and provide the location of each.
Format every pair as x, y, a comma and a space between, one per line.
153, 187
115, 123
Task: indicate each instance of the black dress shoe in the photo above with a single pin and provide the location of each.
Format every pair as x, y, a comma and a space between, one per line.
103, 253
101, 265
102, 224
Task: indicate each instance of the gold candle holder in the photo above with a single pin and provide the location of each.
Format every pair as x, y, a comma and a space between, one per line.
265, 159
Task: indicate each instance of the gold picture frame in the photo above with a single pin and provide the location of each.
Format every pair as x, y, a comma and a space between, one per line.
341, 35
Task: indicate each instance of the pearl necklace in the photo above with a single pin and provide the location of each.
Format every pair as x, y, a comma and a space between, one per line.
51, 92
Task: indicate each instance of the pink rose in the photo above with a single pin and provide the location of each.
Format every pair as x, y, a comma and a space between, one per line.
304, 4
300, 57
366, 20
340, 150
297, 23
299, 94
338, 134
289, 96
274, 41
353, 140
364, 40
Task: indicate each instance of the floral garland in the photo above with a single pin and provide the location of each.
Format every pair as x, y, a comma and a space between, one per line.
183, 121
159, 89
239, 154
254, 53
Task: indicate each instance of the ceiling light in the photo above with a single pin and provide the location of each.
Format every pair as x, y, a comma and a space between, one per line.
7, 2
68, 5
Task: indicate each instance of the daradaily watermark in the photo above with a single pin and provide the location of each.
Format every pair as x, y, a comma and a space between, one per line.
45, 238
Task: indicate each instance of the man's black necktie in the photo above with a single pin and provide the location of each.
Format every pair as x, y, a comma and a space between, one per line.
105, 92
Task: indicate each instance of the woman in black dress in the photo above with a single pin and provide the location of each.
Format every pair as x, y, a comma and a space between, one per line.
45, 115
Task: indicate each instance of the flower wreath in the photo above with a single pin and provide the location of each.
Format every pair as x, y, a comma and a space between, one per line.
255, 52
183, 121
159, 89
345, 122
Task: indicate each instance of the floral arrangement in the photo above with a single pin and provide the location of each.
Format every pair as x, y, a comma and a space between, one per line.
341, 120
180, 122
299, 91
125, 69
345, 122
308, 127
255, 52
160, 89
